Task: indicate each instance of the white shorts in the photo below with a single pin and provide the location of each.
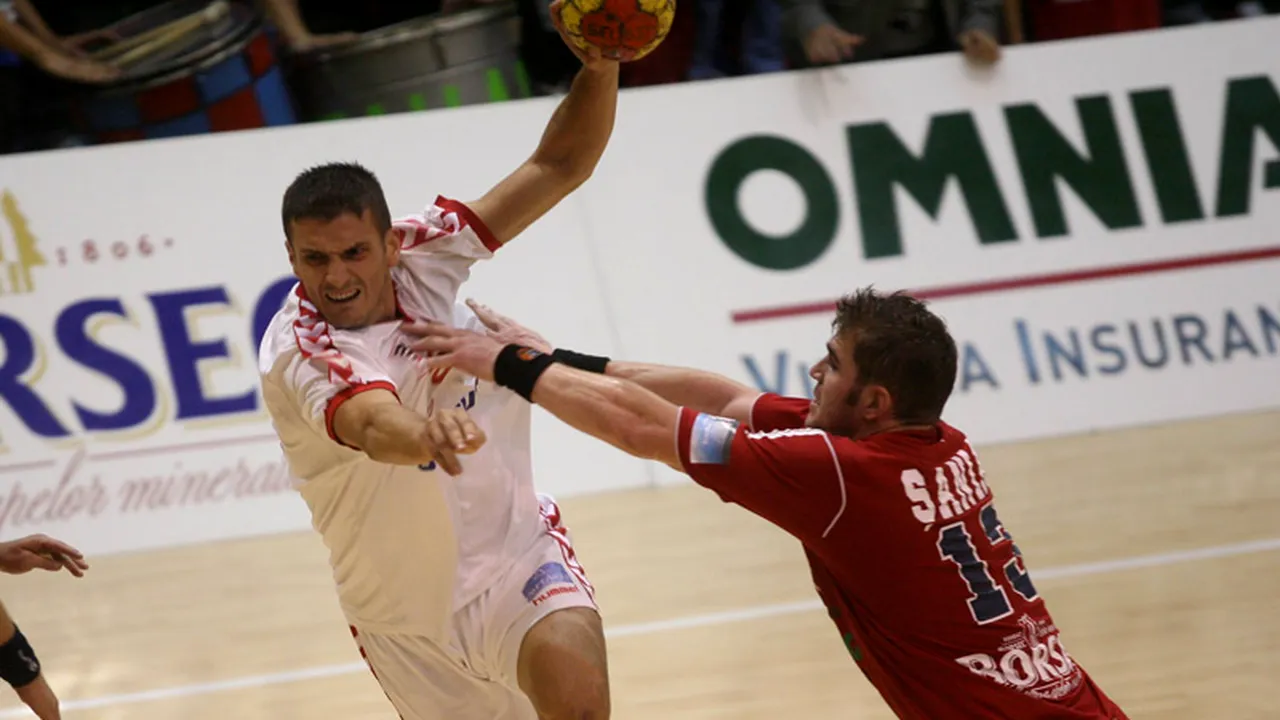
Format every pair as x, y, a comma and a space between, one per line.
475, 676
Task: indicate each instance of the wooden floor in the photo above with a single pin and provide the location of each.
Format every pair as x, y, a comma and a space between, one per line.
1157, 549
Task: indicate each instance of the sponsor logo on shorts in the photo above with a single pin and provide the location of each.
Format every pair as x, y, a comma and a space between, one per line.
548, 581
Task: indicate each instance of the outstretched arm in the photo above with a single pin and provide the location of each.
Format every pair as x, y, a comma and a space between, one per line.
619, 412
793, 479
570, 148
375, 423
695, 389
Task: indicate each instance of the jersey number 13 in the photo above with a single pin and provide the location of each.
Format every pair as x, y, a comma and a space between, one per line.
988, 598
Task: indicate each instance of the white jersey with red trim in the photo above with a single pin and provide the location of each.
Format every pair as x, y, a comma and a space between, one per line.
407, 544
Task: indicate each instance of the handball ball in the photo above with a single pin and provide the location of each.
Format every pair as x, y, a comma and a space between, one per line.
623, 30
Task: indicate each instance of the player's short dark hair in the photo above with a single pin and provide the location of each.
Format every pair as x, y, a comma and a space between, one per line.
900, 345
325, 192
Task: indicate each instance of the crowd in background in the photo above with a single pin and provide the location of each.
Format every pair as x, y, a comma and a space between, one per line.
43, 42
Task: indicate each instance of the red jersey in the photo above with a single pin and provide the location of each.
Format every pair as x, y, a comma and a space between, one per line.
924, 583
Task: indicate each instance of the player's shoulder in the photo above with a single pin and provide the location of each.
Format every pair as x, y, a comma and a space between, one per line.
771, 411
298, 336
279, 341
442, 218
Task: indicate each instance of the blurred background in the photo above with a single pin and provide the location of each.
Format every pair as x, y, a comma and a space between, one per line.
80, 72
1086, 190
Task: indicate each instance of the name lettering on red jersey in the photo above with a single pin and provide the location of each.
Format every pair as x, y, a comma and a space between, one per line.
958, 487
989, 567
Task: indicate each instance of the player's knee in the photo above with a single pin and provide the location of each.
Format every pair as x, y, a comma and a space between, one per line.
584, 701
571, 691
563, 667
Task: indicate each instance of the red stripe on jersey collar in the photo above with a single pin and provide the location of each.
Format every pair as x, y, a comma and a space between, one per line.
313, 335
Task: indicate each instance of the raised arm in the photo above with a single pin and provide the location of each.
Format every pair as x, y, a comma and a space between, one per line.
571, 146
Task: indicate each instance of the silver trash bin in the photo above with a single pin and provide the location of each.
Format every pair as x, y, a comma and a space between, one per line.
436, 61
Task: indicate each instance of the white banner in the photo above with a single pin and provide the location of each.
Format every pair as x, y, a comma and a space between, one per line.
1095, 219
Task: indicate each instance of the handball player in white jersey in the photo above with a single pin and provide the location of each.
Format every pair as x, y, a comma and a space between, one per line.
458, 581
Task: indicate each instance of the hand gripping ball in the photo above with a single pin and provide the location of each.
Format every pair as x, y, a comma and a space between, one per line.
623, 30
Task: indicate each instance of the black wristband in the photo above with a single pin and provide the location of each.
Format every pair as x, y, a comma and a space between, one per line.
18, 664
590, 363
518, 369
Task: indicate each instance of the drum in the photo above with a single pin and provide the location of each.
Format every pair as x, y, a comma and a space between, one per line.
190, 67
436, 61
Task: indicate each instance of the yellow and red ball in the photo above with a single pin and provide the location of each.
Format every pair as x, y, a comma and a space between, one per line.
623, 30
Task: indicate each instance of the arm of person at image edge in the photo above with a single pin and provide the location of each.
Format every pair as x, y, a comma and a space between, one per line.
48, 52
566, 156
19, 663
791, 479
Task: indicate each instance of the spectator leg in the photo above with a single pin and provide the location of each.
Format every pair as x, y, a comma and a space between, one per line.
762, 38
706, 40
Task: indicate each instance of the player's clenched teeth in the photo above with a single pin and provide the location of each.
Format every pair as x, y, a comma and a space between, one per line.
342, 297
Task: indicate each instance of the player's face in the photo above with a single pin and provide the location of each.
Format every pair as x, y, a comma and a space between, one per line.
345, 266
836, 378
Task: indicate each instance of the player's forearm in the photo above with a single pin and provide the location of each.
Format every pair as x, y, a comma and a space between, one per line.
580, 127
619, 412
397, 436
695, 389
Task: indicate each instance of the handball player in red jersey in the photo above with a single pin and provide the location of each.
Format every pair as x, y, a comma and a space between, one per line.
924, 582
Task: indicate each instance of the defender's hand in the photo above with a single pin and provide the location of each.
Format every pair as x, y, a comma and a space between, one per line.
507, 331
40, 552
446, 346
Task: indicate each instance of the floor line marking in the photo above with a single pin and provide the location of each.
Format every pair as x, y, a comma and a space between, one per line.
1102, 567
